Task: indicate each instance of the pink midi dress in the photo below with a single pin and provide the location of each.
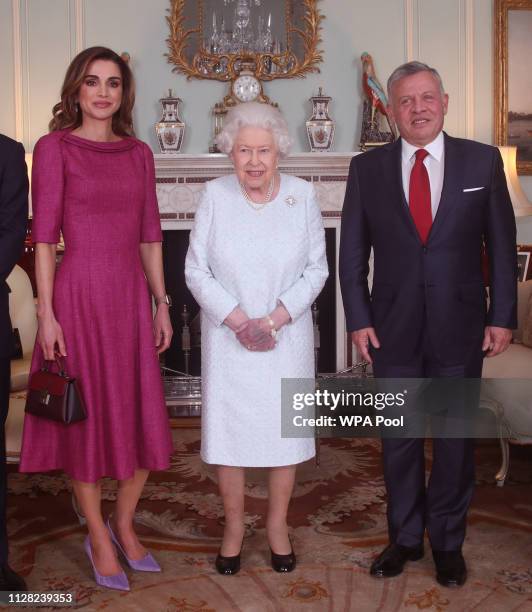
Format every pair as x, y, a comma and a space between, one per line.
101, 195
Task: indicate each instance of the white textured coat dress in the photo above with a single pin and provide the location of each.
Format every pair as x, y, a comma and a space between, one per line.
254, 259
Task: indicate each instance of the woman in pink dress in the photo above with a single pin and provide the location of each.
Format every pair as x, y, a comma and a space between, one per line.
95, 182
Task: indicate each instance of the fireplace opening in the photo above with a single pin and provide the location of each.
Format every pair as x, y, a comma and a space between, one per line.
185, 308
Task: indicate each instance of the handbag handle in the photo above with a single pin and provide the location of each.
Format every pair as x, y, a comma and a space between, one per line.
59, 362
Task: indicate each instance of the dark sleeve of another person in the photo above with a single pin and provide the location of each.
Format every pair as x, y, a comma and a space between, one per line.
13, 206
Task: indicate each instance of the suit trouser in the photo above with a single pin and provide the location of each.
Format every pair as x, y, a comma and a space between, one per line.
441, 505
5, 377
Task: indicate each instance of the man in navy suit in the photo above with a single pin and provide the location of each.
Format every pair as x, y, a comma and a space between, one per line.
13, 219
427, 204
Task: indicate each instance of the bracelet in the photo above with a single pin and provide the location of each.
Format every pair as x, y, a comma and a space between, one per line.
273, 331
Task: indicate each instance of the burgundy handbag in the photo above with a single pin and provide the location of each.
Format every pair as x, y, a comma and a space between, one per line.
55, 396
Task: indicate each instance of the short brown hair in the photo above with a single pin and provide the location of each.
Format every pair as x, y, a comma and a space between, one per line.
66, 113
409, 69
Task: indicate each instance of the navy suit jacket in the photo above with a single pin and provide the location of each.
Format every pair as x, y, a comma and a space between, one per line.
13, 220
437, 288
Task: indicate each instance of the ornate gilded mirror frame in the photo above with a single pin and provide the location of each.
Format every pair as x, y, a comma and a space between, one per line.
513, 126
226, 66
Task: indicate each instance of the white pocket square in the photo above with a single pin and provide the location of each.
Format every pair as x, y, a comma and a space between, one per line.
473, 189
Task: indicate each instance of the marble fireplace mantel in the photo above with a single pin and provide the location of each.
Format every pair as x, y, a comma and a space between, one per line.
180, 180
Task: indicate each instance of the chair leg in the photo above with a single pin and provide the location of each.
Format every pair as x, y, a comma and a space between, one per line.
501, 475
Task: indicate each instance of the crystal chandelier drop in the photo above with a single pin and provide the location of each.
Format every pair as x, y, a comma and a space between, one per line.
244, 29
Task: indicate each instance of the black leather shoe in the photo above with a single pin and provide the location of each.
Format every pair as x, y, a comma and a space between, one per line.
227, 566
284, 563
392, 559
10, 580
451, 569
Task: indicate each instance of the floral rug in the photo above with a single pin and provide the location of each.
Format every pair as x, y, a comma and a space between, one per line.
339, 525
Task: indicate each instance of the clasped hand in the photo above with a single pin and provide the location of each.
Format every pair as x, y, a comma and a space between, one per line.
255, 335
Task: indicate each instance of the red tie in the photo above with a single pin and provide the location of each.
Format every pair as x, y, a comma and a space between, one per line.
419, 194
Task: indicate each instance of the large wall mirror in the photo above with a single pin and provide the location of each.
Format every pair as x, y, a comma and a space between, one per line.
210, 39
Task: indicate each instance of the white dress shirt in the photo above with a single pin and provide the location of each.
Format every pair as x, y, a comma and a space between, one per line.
434, 162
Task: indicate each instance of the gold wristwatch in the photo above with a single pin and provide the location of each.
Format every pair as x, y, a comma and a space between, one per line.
164, 299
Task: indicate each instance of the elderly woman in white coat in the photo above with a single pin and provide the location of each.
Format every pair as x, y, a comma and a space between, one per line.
255, 264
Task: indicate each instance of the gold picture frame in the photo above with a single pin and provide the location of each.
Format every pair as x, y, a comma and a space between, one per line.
226, 67
513, 126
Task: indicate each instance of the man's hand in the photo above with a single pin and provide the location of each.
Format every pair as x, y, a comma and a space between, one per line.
361, 339
496, 340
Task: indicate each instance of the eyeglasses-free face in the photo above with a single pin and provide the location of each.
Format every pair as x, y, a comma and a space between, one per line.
100, 94
255, 158
418, 107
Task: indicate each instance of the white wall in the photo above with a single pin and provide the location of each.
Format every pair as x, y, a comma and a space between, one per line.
39, 37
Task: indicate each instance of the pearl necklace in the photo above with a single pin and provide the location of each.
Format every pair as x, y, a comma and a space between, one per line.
258, 205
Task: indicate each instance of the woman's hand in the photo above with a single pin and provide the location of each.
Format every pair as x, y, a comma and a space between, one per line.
50, 337
255, 335
162, 328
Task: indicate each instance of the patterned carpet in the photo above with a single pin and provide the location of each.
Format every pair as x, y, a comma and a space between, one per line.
338, 519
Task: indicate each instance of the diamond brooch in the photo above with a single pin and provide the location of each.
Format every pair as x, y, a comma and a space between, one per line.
290, 201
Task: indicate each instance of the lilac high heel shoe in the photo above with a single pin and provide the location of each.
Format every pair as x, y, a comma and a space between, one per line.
146, 564
116, 581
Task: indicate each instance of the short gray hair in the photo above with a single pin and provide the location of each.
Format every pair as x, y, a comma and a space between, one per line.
254, 114
409, 69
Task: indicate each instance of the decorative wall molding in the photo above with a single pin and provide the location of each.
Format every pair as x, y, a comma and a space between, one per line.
469, 69
22, 78
417, 31
466, 67
17, 71
412, 30
461, 69
76, 25
26, 72
409, 30
79, 20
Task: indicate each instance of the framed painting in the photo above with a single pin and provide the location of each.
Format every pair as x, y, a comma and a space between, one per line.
513, 79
